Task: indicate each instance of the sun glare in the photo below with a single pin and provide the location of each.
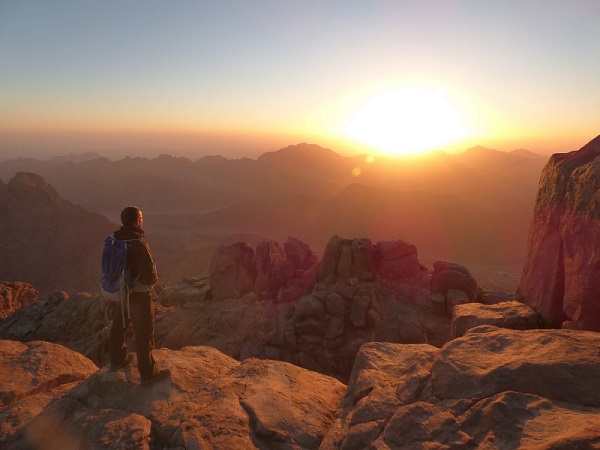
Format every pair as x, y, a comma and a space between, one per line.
406, 121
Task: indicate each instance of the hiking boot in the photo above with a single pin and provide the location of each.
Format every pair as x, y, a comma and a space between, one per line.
162, 374
128, 358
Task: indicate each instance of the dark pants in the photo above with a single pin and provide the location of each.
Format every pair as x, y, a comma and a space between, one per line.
142, 317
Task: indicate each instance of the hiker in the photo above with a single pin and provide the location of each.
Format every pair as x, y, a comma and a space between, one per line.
137, 309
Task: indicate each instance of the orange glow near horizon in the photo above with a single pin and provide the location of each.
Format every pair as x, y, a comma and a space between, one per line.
405, 121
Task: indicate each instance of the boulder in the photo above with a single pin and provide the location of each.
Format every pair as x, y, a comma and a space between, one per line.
232, 271
561, 277
269, 277
77, 321
513, 314
299, 253
491, 388
33, 375
453, 276
331, 256
397, 259
14, 295
208, 401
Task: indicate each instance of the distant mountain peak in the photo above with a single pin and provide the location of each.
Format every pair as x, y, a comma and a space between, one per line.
302, 153
28, 180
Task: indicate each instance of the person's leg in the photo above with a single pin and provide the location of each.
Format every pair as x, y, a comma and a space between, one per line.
116, 336
143, 326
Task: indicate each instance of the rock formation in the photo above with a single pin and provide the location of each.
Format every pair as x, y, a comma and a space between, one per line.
275, 273
359, 258
208, 401
34, 374
514, 315
76, 321
453, 276
491, 388
268, 304
561, 277
15, 295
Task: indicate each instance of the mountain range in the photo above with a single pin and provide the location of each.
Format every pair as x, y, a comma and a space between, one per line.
473, 208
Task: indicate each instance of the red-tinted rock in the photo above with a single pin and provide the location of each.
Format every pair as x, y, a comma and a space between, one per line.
561, 277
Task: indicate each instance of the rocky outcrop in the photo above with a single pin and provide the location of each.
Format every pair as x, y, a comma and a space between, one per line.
448, 275
208, 401
76, 321
232, 271
561, 277
15, 295
512, 314
33, 375
275, 273
46, 241
359, 258
491, 388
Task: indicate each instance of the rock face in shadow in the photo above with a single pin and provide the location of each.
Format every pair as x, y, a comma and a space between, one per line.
491, 388
208, 401
561, 277
46, 241
76, 321
15, 295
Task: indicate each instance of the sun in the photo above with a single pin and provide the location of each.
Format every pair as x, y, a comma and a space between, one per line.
405, 121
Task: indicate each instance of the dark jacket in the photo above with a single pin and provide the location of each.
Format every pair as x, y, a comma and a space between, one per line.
139, 258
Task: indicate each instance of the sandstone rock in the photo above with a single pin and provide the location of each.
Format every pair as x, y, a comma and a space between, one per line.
331, 256
358, 311
417, 396
209, 400
561, 277
335, 329
14, 295
232, 271
384, 377
308, 306
397, 259
335, 304
269, 280
299, 253
363, 264
196, 291
344, 265
453, 276
77, 321
514, 315
34, 374
562, 365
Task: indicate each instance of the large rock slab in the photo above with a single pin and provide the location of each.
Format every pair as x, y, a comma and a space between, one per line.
492, 388
208, 401
77, 321
563, 365
513, 314
561, 277
34, 374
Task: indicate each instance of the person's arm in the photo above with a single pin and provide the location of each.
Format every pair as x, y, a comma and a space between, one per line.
147, 269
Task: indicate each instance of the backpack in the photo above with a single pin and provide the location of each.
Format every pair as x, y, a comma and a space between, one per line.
116, 276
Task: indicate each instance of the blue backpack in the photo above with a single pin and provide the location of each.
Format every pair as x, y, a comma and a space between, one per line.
115, 273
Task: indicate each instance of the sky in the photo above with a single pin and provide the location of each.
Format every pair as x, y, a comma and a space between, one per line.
240, 78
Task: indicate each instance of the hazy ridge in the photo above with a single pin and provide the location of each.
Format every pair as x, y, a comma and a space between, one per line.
474, 208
